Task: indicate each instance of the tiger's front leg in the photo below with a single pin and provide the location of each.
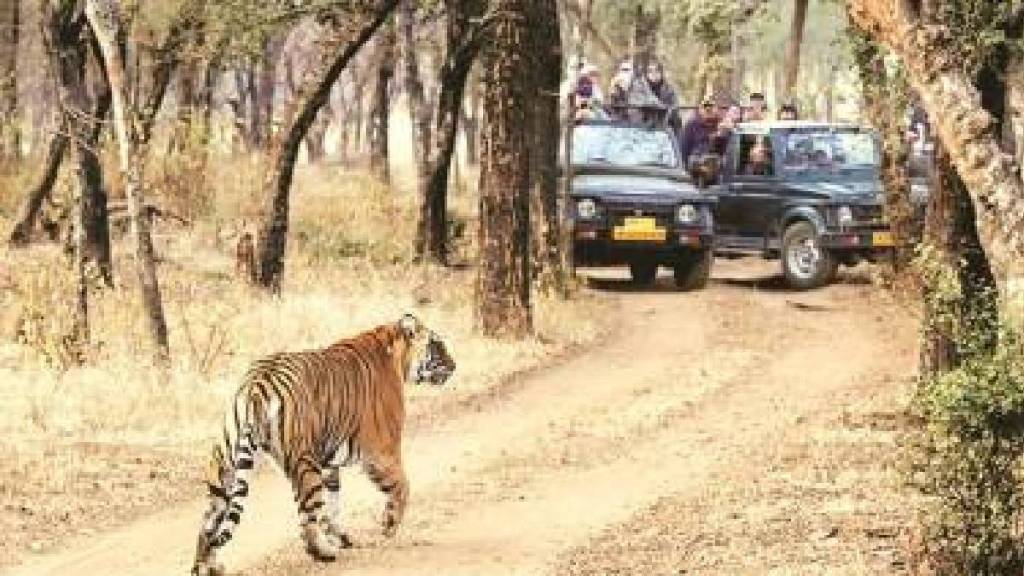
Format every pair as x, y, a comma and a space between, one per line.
389, 476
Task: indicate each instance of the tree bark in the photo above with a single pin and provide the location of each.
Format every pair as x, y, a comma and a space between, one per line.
796, 39
547, 50
471, 122
503, 279
463, 45
962, 125
334, 54
885, 101
10, 23
645, 36
67, 41
104, 19
380, 112
952, 239
265, 89
21, 233
1015, 107
418, 111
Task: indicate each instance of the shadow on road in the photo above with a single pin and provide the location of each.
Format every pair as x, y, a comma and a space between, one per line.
663, 285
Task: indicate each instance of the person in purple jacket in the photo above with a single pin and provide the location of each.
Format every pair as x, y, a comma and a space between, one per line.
698, 132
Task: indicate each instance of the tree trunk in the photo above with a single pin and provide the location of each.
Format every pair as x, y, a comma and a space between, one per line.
1015, 107
104, 18
265, 90
10, 22
419, 113
796, 39
645, 37
962, 125
67, 43
21, 233
334, 53
463, 44
547, 50
503, 278
315, 138
471, 122
885, 101
953, 243
380, 112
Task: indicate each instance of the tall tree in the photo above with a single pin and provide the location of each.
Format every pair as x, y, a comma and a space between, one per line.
547, 51
419, 113
886, 97
503, 275
964, 127
68, 44
265, 88
380, 111
793, 47
465, 32
105, 19
10, 24
345, 34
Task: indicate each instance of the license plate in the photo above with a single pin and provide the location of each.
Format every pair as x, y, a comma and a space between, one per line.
639, 229
882, 239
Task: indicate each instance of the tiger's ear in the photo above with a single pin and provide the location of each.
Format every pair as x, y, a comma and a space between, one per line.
409, 326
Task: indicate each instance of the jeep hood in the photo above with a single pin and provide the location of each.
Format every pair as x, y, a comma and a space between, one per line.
637, 188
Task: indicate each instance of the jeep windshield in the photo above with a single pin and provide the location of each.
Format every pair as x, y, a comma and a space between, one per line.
623, 146
827, 153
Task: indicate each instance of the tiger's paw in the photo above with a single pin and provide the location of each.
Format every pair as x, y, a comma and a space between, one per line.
338, 535
319, 545
208, 569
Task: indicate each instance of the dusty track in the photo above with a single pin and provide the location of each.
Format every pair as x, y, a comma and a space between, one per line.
694, 386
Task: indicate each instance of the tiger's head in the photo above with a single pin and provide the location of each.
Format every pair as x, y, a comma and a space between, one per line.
429, 360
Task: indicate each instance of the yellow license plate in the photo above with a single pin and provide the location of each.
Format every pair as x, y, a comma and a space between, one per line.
639, 229
882, 239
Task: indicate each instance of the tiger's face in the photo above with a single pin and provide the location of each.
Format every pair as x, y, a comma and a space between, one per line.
430, 361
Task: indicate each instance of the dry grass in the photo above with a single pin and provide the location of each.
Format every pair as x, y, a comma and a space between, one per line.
108, 439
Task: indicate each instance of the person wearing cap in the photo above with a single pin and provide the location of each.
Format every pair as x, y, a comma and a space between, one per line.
618, 92
698, 132
757, 110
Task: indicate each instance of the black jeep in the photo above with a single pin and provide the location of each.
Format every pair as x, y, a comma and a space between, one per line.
631, 202
808, 193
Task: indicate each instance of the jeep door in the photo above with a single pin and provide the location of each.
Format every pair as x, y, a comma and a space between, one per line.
749, 202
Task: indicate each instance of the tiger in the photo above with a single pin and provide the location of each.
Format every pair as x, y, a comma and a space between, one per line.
314, 412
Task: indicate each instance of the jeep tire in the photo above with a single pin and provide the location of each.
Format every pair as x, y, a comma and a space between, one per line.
643, 272
693, 269
805, 264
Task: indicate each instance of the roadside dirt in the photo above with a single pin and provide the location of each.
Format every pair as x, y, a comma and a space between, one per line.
740, 429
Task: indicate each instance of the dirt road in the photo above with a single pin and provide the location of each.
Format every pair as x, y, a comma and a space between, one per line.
694, 390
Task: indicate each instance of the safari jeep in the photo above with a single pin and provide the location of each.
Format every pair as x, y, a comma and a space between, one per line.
631, 203
807, 193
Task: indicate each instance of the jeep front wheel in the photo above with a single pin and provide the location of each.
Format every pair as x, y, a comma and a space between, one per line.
804, 262
693, 269
643, 272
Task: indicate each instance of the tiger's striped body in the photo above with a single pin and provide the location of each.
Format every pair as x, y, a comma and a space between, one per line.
314, 412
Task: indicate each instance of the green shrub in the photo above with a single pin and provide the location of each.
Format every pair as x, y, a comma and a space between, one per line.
966, 455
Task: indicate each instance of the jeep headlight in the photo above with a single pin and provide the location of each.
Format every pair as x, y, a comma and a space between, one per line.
844, 215
687, 214
586, 209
